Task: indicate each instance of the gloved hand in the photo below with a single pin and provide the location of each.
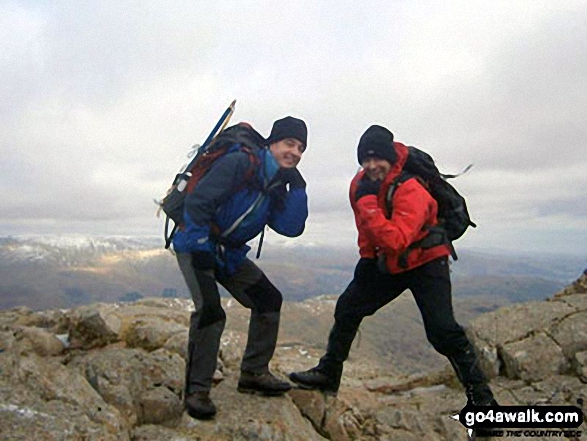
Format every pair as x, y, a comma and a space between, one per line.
203, 260
367, 187
292, 176
277, 194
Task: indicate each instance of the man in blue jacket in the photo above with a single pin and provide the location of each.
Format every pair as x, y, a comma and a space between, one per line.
228, 207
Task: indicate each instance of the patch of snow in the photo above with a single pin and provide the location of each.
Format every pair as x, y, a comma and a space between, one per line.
66, 249
64, 339
22, 411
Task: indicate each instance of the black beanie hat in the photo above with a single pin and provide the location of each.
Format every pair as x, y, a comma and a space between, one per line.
377, 141
288, 127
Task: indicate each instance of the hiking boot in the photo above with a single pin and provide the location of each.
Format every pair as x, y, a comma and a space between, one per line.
199, 405
314, 379
264, 384
480, 395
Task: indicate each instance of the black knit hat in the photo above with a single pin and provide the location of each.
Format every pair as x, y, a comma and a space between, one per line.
288, 127
377, 142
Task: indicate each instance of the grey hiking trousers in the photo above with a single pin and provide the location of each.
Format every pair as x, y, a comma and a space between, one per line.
251, 288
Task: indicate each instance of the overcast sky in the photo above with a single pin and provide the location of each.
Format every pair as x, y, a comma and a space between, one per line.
100, 102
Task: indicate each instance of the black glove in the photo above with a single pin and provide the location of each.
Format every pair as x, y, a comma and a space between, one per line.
291, 176
277, 194
367, 187
203, 260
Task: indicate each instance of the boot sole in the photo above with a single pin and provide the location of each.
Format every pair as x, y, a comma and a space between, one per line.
306, 386
251, 391
329, 393
201, 416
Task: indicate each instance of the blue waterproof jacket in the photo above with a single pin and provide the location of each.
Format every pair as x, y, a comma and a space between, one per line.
221, 198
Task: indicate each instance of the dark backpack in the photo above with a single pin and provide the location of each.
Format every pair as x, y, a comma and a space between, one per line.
185, 182
453, 216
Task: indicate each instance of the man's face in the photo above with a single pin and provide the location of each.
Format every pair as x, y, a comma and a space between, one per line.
287, 152
376, 168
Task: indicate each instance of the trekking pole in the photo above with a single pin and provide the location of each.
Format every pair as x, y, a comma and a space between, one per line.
222, 122
225, 123
181, 178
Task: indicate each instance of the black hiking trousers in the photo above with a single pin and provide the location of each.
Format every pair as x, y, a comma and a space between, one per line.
251, 288
371, 289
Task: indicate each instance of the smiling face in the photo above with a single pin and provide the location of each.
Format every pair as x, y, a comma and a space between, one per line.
376, 168
287, 152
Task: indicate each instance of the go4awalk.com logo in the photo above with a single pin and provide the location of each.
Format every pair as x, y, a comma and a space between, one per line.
518, 421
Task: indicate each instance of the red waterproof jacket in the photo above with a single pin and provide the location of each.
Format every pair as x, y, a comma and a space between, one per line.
413, 210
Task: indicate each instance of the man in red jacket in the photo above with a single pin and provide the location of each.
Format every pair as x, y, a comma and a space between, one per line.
387, 267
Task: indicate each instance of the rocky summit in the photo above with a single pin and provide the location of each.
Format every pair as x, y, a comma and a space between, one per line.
116, 372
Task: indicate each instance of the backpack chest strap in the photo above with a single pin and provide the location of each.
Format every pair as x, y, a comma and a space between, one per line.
397, 182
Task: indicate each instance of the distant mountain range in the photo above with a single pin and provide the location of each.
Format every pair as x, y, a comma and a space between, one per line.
44, 272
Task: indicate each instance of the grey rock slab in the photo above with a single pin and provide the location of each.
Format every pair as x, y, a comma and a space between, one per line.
515, 322
38, 340
571, 334
534, 358
244, 416
153, 333
94, 326
124, 377
581, 365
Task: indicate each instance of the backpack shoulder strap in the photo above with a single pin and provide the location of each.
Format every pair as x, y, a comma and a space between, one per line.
403, 177
254, 163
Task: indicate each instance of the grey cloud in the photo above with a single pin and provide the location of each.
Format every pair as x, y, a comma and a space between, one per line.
573, 207
525, 110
